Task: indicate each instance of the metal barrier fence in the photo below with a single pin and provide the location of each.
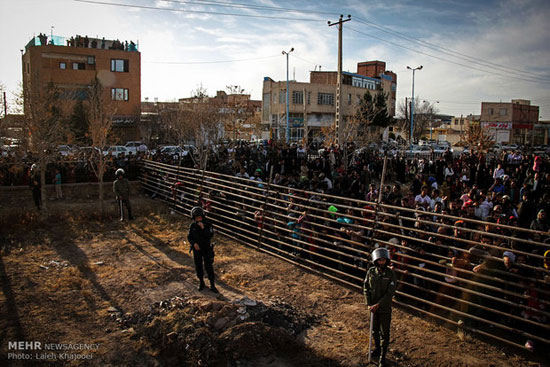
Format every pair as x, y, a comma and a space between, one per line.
433, 255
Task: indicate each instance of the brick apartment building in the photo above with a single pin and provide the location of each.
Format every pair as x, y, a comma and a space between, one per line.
71, 64
312, 105
510, 122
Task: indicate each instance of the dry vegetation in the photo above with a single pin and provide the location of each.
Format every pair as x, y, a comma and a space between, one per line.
77, 277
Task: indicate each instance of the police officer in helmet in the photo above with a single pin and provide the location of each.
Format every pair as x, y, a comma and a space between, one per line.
200, 235
379, 287
121, 188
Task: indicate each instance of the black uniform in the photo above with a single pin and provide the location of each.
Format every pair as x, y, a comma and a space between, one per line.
36, 189
205, 255
121, 188
379, 287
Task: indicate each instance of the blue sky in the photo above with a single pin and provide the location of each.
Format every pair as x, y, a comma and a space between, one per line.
484, 50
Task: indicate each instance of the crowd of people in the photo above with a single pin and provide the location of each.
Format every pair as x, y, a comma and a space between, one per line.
15, 170
86, 42
453, 223
457, 234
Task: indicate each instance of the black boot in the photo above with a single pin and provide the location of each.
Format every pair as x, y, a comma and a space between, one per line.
201, 285
213, 287
375, 353
382, 360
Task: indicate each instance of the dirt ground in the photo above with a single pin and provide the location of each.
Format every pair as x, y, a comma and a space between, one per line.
127, 291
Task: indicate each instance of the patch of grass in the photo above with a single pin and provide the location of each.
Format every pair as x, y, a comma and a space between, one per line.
64, 279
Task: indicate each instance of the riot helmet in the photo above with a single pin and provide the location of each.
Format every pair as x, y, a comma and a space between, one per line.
380, 253
197, 212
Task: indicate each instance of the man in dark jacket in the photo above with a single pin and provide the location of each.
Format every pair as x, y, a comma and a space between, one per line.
200, 234
121, 188
379, 287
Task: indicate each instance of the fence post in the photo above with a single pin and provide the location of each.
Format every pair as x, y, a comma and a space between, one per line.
265, 206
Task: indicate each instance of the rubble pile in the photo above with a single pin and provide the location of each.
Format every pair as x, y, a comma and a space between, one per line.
198, 331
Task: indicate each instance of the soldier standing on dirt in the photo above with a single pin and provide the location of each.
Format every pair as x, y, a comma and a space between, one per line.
379, 287
200, 234
121, 188
36, 186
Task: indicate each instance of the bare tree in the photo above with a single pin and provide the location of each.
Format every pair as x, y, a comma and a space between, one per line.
177, 124
207, 128
43, 123
476, 137
363, 127
3, 101
100, 111
234, 89
3, 108
424, 113
254, 124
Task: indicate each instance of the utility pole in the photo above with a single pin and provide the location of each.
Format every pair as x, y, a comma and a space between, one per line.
5, 111
412, 103
287, 95
340, 26
5, 106
407, 117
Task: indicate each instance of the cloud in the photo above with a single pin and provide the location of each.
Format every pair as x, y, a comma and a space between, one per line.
514, 33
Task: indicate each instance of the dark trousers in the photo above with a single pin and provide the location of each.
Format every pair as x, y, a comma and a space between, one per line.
124, 203
207, 259
381, 329
37, 197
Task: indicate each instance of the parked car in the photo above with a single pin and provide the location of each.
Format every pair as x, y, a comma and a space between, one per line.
136, 146
510, 147
541, 149
115, 150
190, 148
65, 150
87, 152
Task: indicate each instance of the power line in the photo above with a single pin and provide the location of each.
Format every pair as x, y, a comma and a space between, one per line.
194, 11
249, 6
448, 102
382, 28
301, 58
451, 52
450, 61
427, 44
209, 62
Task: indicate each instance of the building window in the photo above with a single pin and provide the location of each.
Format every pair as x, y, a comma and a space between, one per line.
79, 66
297, 97
490, 111
119, 94
120, 66
63, 65
325, 99
282, 96
349, 98
91, 60
308, 97
503, 111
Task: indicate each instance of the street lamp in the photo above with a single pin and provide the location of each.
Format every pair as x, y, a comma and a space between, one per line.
412, 104
287, 120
